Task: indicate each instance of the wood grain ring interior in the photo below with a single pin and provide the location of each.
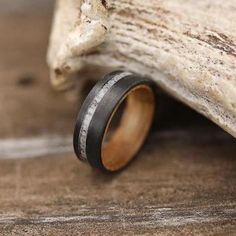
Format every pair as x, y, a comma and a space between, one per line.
132, 130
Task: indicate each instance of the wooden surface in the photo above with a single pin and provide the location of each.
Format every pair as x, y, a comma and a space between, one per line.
181, 183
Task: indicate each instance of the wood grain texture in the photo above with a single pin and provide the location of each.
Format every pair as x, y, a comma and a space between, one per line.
26, 98
182, 182
185, 186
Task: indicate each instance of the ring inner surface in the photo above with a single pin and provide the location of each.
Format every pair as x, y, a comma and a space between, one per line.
134, 124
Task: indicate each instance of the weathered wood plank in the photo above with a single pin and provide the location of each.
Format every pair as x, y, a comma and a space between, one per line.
186, 185
182, 182
28, 106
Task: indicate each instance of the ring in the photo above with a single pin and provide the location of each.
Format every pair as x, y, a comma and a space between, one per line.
94, 140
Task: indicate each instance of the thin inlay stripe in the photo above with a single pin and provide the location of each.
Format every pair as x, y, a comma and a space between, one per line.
91, 110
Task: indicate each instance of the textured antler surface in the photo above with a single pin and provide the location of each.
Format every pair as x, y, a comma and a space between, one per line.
187, 47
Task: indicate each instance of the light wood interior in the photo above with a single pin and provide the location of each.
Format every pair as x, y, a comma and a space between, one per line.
132, 130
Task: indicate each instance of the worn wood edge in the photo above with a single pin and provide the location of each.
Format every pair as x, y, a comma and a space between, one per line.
150, 216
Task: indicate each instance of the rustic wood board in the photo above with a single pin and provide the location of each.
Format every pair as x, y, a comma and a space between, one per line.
182, 182
185, 184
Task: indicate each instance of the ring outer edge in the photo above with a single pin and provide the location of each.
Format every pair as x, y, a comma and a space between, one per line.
104, 112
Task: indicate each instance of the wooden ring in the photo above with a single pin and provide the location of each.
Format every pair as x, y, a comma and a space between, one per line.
97, 112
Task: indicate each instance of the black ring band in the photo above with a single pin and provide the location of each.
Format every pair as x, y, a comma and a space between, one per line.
96, 113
